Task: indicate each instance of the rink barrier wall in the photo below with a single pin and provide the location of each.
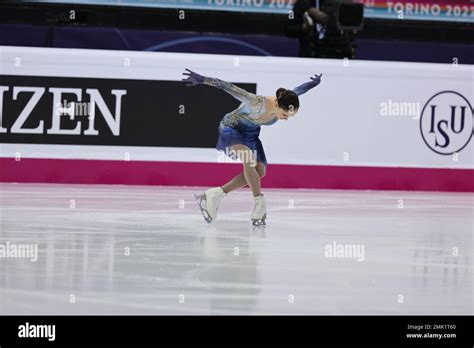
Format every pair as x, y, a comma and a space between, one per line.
31, 170
121, 117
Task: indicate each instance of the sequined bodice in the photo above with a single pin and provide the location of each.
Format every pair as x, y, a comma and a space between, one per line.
251, 113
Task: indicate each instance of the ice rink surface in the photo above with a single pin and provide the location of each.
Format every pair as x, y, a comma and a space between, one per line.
147, 250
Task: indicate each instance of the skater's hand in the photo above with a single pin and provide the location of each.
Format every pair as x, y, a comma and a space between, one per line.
316, 80
193, 78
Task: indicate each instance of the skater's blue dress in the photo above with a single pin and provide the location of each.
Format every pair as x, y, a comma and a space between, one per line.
242, 126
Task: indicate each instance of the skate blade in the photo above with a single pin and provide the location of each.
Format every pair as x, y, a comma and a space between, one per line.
205, 214
259, 222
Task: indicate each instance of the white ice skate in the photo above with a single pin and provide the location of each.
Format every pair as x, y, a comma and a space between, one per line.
209, 203
259, 213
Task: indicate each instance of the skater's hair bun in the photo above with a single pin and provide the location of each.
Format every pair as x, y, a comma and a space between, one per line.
287, 99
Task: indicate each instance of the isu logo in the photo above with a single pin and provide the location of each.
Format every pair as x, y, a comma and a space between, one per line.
446, 122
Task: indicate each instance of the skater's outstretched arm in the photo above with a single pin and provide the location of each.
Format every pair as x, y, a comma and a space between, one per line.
237, 92
305, 87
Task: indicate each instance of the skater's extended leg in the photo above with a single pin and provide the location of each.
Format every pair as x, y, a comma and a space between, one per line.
236, 182
239, 181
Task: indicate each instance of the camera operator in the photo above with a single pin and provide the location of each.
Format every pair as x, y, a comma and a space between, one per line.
317, 33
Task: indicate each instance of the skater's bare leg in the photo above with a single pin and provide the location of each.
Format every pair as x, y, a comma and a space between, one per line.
261, 170
239, 181
253, 179
251, 175
235, 183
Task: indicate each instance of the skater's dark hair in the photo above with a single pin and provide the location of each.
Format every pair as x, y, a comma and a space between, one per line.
287, 99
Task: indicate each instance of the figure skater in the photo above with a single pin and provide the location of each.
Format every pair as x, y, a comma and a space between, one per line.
238, 138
